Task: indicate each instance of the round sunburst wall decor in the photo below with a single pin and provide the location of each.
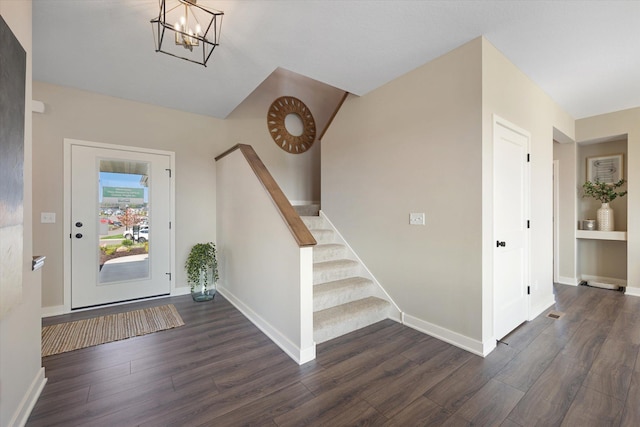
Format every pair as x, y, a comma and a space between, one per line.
278, 112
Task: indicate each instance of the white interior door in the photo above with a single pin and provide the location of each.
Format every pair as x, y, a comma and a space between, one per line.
510, 211
116, 193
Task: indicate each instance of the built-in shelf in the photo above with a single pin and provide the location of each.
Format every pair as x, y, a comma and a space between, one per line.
601, 235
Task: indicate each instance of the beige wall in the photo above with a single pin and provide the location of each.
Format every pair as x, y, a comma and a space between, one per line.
423, 143
297, 174
196, 140
21, 375
626, 122
414, 145
76, 114
566, 155
508, 93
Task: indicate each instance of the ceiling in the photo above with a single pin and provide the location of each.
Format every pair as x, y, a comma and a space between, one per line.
584, 54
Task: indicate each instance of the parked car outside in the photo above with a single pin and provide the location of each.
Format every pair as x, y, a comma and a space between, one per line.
143, 233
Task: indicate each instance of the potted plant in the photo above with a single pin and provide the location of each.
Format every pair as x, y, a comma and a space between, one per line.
605, 193
202, 271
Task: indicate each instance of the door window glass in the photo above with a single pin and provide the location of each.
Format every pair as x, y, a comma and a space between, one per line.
123, 221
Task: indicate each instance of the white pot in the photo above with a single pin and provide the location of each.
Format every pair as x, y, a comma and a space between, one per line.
605, 218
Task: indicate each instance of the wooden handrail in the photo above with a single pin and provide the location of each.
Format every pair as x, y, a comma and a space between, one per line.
300, 232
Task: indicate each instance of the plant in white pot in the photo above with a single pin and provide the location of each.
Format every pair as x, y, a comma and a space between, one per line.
202, 271
605, 193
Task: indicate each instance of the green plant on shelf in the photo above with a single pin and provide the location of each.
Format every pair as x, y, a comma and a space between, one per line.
602, 191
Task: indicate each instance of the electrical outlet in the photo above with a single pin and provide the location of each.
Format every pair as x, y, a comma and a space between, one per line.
416, 218
48, 217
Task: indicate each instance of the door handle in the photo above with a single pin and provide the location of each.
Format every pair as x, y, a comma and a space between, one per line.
499, 243
79, 236
78, 224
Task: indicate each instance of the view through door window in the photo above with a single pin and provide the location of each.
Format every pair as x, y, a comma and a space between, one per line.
123, 201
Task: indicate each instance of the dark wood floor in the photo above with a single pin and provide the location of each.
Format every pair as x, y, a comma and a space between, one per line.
219, 370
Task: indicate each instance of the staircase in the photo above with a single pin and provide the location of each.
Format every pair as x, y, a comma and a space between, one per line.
343, 300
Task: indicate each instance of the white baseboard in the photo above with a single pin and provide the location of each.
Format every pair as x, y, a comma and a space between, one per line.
183, 290
564, 280
540, 308
454, 338
29, 400
606, 280
54, 310
634, 292
300, 355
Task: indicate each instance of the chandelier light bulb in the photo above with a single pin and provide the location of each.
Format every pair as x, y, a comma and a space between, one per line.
183, 20
198, 29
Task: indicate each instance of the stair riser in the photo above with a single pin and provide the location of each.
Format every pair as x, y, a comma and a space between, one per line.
330, 275
356, 322
313, 222
341, 296
323, 236
321, 254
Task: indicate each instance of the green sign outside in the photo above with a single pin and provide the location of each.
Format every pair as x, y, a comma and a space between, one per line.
123, 192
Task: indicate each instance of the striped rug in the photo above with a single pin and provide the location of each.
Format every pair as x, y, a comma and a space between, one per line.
69, 336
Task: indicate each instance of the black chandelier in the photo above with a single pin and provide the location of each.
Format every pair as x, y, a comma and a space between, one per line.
187, 30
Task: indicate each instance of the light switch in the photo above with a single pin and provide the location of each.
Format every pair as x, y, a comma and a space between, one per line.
48, 217
416, 218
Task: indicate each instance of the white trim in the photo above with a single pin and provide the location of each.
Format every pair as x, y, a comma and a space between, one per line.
634, 292
21, 415
66, 196
606, 280
556, 220
57, 310
446, 335
396, 315
54, 310
300, 355
304, 202
37, 106
571, 281
542, 307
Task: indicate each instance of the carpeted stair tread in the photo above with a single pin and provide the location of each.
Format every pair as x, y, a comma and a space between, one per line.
345, 318
337, 292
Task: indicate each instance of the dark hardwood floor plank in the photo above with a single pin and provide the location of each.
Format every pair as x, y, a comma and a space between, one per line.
548, 400
614, 382
593, 408
219, 369
586, 343
261, 412
452, 392
491, 405
404, 389
527, 366
631, 413
522, 336
420, 412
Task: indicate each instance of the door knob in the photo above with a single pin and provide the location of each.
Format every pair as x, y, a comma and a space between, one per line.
79, 236
78, 224
499, 243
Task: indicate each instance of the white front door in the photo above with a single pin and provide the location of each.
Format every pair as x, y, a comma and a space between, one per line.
510, 229
120, 225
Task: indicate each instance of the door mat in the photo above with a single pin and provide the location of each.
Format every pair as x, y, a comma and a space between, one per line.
70, 336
